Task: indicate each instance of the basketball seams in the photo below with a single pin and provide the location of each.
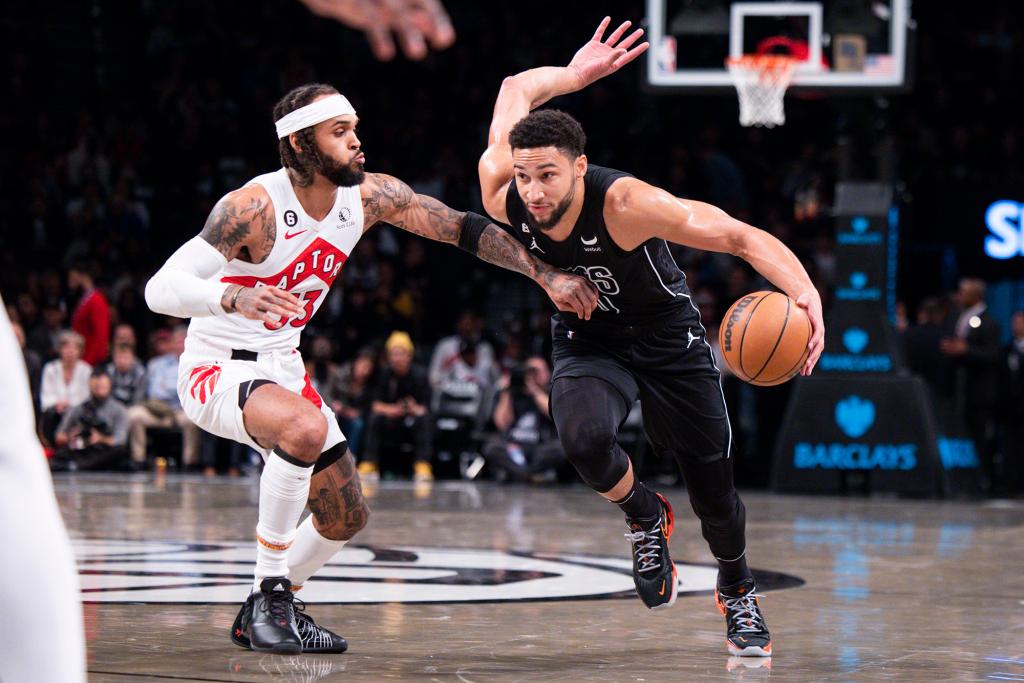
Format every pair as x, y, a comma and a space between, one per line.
743, 336
782, 332
799, 363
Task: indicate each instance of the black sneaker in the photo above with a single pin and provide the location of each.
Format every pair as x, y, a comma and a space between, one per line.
746, 634
315, 639
267, 619
654, 573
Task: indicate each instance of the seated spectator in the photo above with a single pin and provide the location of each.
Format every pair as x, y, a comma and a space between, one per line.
348, 393
33, 364
124, 334
398, 410
127, 375
45, 337
65, 383
92, 435
528, 447
161, 408
468, 327
319, 366
91, 318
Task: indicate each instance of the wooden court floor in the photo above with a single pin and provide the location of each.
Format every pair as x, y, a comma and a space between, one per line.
472, 583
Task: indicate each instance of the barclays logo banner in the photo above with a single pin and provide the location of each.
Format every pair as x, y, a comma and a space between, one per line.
855, 340
859, 232
858, 289
855, 416
957, 453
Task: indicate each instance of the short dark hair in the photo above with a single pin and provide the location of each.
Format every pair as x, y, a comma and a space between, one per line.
549, 128
306, 162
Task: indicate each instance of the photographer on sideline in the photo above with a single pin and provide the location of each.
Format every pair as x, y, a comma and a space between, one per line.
92, 435
528, 446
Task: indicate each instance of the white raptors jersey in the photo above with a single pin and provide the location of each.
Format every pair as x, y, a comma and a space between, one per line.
306, 258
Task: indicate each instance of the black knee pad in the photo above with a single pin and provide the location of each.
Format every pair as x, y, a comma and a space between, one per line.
588, 413
330, 456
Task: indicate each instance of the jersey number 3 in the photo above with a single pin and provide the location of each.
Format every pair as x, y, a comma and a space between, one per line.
308, 299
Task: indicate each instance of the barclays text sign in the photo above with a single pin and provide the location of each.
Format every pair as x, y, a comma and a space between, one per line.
1005, 222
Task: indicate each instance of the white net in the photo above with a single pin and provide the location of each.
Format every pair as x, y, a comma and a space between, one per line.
761, 82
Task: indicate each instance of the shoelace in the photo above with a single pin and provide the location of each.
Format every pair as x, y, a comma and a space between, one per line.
647, 548
279, 605
744, 616
311, 634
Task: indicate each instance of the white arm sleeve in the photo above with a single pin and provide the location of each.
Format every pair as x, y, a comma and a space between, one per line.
183, 287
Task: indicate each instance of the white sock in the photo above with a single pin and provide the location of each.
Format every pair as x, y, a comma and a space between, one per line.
309, 552
284, 488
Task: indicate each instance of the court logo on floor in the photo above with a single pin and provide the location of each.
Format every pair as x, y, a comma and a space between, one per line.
178, 572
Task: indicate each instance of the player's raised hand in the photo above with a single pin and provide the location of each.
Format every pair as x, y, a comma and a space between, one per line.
271, 305
811, 303
601, 57
570, 292
415, 22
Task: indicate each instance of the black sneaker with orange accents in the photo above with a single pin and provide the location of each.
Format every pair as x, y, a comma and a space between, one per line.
267, 619
315, 639
746, 634
654, 573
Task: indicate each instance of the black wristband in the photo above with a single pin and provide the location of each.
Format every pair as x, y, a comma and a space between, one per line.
473, 226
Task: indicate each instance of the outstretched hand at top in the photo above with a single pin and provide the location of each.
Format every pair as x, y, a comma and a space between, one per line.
601, 57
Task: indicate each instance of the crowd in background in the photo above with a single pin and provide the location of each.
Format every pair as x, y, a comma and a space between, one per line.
165, 106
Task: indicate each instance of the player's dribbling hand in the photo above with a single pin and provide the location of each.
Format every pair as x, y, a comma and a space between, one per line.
599, 57
811, 303
571, 293
271, 305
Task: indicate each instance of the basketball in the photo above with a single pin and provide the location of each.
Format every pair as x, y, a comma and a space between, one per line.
764, 338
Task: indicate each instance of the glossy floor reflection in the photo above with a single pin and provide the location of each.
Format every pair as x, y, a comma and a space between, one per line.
462, 582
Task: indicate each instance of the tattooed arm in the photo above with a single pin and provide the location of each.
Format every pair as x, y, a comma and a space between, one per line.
388, 199
241, 226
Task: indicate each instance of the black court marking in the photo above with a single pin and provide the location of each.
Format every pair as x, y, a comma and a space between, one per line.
803, 357
169, 677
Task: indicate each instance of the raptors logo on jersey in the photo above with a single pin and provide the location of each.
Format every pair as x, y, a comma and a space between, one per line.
306, 258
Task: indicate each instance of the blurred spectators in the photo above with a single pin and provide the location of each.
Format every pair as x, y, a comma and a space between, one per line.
398, 415
92, 435
65, 383
528, 447
33, 365
348, 393
1013, 407
162, 407
452, 353
975, 351
91, 318
128, 375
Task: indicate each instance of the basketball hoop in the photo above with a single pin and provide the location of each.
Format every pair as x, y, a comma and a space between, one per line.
761, 82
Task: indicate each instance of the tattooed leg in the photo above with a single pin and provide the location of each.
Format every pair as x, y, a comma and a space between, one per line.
336, 500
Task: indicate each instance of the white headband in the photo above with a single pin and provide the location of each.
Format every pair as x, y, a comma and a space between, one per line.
316, 112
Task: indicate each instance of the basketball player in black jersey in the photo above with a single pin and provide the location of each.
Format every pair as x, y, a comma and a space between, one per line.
645, 339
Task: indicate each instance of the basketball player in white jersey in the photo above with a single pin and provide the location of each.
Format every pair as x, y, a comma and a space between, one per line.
250, 281
38, 580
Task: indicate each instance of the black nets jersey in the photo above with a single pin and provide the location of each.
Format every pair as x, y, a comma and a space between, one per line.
637, 288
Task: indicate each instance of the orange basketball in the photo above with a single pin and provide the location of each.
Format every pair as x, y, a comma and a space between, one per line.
764, 338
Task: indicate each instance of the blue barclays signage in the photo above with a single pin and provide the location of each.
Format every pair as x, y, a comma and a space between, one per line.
855, 340
858, 289
1005, 222
957, 453
859, 232
855, 416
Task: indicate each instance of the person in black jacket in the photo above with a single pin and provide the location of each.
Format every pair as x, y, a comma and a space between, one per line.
398, 409
975, 350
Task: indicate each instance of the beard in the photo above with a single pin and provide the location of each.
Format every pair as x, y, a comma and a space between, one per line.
556, 214
342, 175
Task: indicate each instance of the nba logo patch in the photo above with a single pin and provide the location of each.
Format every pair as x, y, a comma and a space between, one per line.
570, 334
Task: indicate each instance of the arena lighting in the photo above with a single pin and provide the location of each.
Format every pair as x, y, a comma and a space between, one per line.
1005, 220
